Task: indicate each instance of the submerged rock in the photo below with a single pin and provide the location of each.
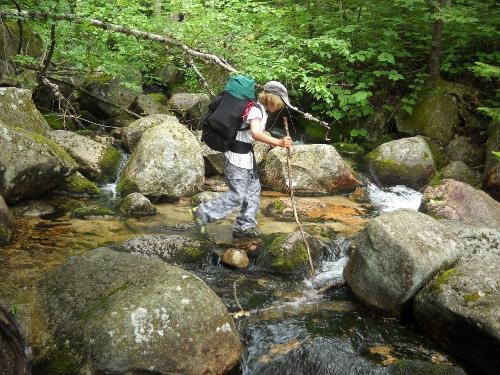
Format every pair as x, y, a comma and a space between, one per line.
91, 212
7, 223
136, 204
17, 110
287, 253
169, 248
125, 313
131, 135
460, 308
458, 201
406, 161
98, 162
30, 164
316, 169
395, 255
167, 163
332, 356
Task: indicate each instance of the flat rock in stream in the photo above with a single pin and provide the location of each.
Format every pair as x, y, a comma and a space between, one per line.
124, 313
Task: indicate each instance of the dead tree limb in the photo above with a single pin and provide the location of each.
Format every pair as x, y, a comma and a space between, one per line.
200, 76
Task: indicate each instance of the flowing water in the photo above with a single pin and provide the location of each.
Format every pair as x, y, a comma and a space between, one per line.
283, 310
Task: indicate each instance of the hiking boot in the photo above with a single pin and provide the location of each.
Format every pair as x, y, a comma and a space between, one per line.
249, 232
202, 228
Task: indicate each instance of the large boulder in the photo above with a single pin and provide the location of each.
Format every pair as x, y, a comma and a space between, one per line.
435, 115
460, 308
458, 201
7, 223
316, 169
131, 135
395, 255
173, 249
167, 163
17, 110
125, 313
492, 167
11, 35
97, 161
190, 107
287, 253
115, 90
406, 161
30, 164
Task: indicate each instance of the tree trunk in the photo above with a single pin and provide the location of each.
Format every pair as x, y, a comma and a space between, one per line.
437, 41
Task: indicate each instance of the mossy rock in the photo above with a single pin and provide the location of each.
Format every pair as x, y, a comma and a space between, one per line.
56, 122
349, 149
9, 41
91, 212
287, 253
459, 171
77, 185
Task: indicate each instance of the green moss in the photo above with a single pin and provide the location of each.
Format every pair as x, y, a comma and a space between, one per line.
278, 205
84, 212
283, 260
159, 97
78, 184
109, 163
59, 361
442, 278
193, 252
124, 187
56, 122
436, 178
471, 297
349, 148
51, 146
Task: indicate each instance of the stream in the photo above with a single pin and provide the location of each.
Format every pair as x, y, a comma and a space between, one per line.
284, 310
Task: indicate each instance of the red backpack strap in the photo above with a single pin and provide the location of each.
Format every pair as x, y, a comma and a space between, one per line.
249, 106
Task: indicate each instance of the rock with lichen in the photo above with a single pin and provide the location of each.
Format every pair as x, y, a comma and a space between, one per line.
167, 163
97, 161
316, 169
386, 268
406, 161
460, 308
136, 204
131, 134
287, 253
17, 110
114, 312
456, 200
30, 164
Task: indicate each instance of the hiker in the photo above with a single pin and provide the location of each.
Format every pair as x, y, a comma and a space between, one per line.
240, 170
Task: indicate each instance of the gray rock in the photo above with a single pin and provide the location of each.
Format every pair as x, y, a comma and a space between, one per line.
131, 135
460, 308
17, 110
458, 201
459, 171
167, 163
190, 107
152, 104
436, 114
395, 255
174, 249
287, 253
461, 149
204, 196
33, 208
316, 169
30, 164
136, 204
125, 313
7, 223
406, 161
98, 162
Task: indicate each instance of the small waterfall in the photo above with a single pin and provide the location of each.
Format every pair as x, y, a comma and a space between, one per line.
394, 197
111, 188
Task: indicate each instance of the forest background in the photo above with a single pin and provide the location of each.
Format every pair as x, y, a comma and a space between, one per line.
342, 60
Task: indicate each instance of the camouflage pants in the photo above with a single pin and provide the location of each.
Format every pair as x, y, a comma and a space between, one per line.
244, 192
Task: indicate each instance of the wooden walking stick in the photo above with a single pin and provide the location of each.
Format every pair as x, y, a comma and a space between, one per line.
285, 122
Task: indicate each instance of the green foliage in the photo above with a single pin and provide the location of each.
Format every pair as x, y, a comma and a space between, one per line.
343, 58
